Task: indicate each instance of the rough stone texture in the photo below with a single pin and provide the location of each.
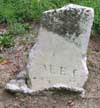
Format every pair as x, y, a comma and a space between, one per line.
19, 84
58, 59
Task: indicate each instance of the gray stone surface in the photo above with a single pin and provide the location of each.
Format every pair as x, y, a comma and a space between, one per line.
18, 86
58, 59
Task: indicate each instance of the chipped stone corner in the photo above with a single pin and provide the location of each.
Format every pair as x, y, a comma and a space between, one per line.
19, 84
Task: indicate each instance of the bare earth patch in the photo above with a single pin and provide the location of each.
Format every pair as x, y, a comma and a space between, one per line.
16, 61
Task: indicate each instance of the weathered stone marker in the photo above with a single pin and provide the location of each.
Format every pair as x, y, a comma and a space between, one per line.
58, 59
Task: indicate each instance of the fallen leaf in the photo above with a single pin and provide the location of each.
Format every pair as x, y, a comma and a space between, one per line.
5, 62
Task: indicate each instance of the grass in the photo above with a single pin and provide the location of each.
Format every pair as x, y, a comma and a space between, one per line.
15, 13
6, 41
25, 10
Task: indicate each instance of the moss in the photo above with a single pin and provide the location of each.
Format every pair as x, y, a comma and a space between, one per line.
63, 22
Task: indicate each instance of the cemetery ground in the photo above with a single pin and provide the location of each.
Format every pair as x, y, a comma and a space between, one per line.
14, 60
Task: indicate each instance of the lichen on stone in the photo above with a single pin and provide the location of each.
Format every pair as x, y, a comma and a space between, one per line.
65, 22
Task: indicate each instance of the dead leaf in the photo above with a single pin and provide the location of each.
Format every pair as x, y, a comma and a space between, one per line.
5, 62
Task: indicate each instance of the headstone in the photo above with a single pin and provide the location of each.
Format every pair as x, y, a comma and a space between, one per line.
58, 59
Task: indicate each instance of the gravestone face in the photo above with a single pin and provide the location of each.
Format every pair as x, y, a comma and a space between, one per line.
58, 59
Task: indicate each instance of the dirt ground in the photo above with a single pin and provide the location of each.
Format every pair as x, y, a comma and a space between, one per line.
17, 60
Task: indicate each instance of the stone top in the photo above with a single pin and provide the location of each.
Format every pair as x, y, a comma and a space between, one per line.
73, 22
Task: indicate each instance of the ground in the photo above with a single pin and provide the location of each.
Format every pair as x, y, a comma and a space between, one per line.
16, 60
